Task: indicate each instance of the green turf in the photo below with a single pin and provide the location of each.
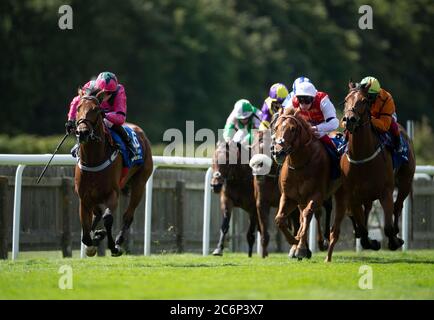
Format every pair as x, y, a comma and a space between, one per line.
396, 275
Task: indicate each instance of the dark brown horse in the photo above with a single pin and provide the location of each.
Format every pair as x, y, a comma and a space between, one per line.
267, 193
368, 174
232, 178
98, 176
305, 180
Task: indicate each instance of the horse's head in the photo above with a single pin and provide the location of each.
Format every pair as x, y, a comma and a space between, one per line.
357, 107
227, 157
89, 117
289, 133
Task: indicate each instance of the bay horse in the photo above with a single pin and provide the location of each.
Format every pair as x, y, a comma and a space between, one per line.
368, 172
99, 176
267, 194
232, 179
304, 180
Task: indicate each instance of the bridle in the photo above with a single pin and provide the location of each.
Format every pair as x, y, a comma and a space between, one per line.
356, 122
289, 149
356, 125
92, 126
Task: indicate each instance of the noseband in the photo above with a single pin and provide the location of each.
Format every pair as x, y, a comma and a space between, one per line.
352, 109
91, 125
289, 149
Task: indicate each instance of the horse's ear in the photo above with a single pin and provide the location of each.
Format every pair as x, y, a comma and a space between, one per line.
80, 91
351, 84
100, 96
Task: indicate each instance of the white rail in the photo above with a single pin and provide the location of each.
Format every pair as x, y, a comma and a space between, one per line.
63, 159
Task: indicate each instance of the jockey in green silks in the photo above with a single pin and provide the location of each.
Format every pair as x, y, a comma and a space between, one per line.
243, 119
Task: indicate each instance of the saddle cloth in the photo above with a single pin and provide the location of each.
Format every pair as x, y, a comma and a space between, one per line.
128, 160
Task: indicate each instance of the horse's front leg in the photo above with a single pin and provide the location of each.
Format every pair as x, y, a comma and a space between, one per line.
387, 204
328, 206
86, 225
226, 208
286, 207
306, 216
98, 235
263, 209
251, 231
111, 203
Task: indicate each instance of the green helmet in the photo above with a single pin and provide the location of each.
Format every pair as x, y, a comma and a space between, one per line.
243, 109
375, 84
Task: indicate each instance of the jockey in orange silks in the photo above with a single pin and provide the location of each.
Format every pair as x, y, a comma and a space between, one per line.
383, 111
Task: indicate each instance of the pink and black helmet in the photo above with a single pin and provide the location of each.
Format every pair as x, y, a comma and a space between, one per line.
107, 81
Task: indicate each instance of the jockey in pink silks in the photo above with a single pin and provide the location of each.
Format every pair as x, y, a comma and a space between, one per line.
114, 105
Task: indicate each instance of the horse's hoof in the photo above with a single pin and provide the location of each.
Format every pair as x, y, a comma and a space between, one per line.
117, 251
375, 245
91, 251
309, 254
291, 253
323, 245
217, 252
395, 243
301, 253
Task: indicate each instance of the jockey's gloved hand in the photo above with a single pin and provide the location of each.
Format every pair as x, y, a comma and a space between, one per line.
70, 126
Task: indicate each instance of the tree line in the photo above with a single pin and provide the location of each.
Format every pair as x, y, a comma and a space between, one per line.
191, 60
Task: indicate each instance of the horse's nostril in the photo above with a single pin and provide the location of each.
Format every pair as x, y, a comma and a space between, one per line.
353, 119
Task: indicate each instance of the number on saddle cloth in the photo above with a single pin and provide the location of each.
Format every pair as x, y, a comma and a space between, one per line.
128, 161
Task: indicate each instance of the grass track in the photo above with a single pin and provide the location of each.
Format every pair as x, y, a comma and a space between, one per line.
396, 275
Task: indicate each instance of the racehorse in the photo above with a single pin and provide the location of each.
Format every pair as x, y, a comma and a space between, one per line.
99, 176
368, 173
267, 194
304, 180
232, 178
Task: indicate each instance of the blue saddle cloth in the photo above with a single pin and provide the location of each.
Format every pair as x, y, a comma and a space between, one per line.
398, 158
335, 157
340, 143
128, 160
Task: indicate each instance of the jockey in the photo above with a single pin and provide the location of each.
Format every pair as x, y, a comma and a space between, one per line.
294, 90
383, 111
277, 94
114, 104
244, 118
317, 109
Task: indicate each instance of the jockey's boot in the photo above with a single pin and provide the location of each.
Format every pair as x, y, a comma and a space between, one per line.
126, 138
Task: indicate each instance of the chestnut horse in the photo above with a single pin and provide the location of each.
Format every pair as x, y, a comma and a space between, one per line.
232, 178
267, 193
368, 173
98, 176
304, 180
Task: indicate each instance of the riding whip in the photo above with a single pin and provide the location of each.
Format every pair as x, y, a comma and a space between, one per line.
55, 151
